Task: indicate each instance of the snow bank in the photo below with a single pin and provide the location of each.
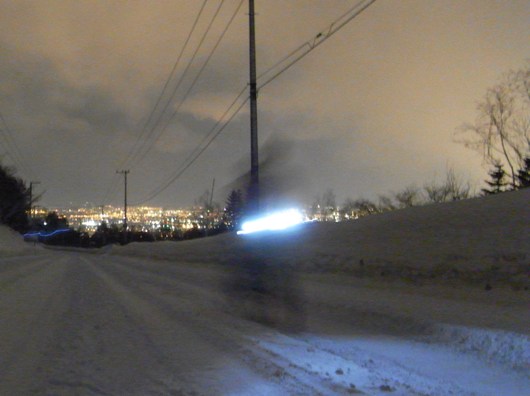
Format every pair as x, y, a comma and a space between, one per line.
12, 243
484, 240
493, 345
447, 247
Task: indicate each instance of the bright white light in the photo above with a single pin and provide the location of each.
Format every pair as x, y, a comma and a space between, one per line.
273, 222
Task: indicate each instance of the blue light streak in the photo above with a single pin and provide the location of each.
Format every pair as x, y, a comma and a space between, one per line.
45, 235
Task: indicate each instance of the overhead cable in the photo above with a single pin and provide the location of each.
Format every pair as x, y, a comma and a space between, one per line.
310, 45
166, 84
304, 49
201, 147
12, 149
111, 190
139, 155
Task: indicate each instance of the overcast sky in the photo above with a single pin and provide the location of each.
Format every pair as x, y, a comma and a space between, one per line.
371, 110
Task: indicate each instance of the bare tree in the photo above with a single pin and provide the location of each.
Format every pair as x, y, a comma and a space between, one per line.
316, 207
408, 197
436, 193
386, 203
365, 207
456, 187
324, 207
348, 209
501, 130
329, 204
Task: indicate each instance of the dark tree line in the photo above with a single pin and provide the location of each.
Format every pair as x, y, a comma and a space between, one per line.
499, 180
234, 209
14, 200
524, 174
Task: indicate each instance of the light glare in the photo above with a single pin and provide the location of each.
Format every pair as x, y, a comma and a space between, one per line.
273, 222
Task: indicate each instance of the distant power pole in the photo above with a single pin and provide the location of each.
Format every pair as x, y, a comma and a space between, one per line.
254, 163
31, 183
211, 193
124, 173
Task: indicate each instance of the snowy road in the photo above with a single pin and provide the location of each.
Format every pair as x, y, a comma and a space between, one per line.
87, 324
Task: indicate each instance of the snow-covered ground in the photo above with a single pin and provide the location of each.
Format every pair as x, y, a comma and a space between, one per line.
12, 244
424, 301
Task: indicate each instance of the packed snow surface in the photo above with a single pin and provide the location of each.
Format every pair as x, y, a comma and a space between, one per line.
423, 301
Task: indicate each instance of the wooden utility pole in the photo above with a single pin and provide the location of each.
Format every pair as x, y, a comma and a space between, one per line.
124, 173
31, 184
210, 203
254, 163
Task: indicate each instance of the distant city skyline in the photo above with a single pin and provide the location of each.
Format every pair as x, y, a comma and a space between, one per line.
372, 110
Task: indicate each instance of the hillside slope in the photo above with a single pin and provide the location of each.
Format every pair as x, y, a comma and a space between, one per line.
485, 239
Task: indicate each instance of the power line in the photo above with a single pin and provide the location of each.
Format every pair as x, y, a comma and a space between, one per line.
166, 84
190, 62
309, 45
279, 62
317, 40
203, 67
197, 152
124, 173
112, 189
12, 149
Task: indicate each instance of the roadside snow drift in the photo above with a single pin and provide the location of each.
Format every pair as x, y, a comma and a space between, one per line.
481, 240
12, 243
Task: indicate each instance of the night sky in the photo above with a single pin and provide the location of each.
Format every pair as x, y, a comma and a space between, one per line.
371, 110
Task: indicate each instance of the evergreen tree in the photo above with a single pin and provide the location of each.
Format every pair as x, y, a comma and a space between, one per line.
523, 175
497, 183
14, 201
234, 209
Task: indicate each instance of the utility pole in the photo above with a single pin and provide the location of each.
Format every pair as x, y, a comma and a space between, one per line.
124, 173
209, 209
211, 193
31, 183
254, 163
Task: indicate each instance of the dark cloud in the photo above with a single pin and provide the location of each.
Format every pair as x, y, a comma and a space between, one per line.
97, 109
281, 179
371, 110
70, 130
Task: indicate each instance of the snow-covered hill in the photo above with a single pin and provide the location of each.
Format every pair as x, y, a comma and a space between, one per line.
12, 243
458, 252
484, 240
335, 312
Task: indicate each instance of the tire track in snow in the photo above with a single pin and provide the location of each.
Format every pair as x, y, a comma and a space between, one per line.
406, 333
245, 366
13, 271
185, 362
96, 352
29, 318
260, 347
